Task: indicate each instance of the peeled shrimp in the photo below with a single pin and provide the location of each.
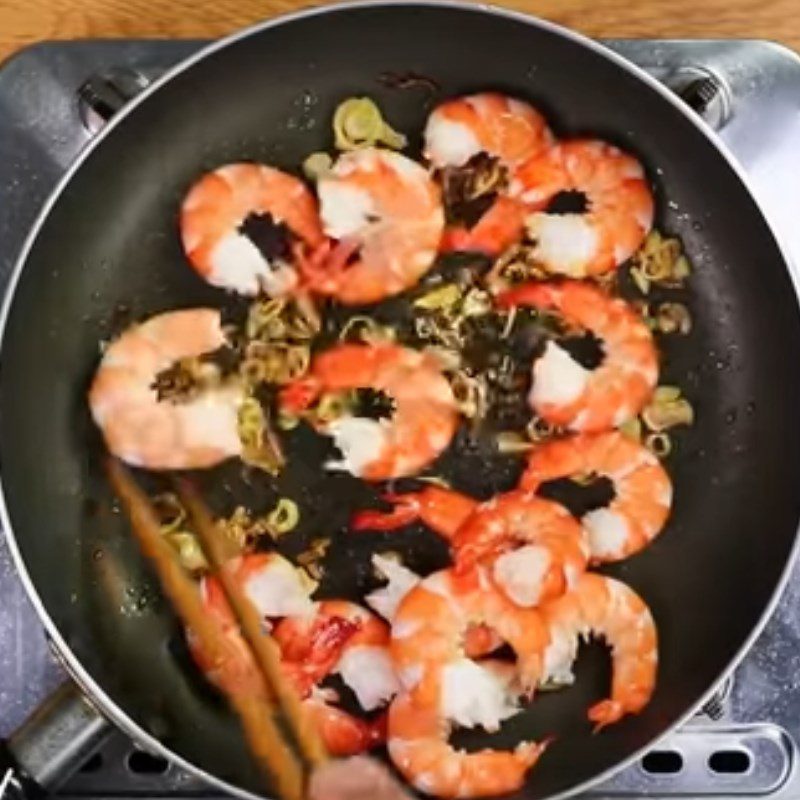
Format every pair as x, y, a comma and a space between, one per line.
423, 419
316, 640
643, 490
618, 206
534, 546
225, 205
444, 688
361, 658
386, 214
479, 640
442, 510
607, 608
171, 433
275, 588
564, 393
509, 130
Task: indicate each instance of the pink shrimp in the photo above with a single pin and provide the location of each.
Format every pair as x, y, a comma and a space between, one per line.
275, 588
618, 206
424, 416
444, 688
565, 393
227, 206
157, 433
508, 130
643, 490
386, 214
534, 547
607, 608
362, 659
316, 640
442, 510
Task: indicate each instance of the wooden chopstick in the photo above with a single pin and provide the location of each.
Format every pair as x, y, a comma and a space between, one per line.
255, 712
261, 643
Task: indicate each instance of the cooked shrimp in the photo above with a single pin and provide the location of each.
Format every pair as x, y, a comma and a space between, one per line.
386, 213
228, 206
359, 653
345, 639
275, 588
442, 510
564, 393
444, 688
607, 608
316, 640
534, 546
424, 416
643, 490
175, 433
611, 187
479, 640
428, 638
418, 747
508, 130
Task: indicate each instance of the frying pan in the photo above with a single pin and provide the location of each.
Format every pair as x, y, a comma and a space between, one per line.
105, 251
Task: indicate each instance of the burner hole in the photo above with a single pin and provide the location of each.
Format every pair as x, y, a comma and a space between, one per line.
729, 762
94, 763
663, 762
144, 764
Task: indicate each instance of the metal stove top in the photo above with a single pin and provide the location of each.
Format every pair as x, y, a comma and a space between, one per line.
745, 741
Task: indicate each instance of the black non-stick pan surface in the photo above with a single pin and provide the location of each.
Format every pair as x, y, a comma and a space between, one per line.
108, 252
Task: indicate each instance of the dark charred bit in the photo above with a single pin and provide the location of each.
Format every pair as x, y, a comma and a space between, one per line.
569, 202
273, 239
470, 191
587, 350
373, 404
408, 80
176, 382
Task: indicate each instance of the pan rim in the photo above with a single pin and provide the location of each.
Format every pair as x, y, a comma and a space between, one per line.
97, 695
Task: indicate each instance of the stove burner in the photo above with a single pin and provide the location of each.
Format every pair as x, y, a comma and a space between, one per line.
744, 740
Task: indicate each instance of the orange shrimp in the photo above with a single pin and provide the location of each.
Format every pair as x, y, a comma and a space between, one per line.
275, 588
424, 416
442, 510
509, 130
618, 203
154, 433
361, 657
479, 640
321, 639
565, 393
608, 608
386, 214
534, 546
643, 489
444, 688
226, 207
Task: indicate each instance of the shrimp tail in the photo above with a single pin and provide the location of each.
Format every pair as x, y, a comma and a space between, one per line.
606, 712
405, 511
500, 227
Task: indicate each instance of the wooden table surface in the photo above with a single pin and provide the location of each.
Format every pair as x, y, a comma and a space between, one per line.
25, 21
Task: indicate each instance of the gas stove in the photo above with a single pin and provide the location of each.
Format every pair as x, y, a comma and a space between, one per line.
744, 742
